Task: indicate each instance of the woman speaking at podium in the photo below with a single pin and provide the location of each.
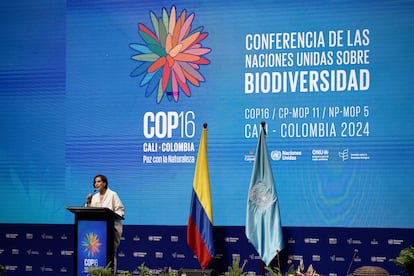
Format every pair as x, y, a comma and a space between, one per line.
105, 197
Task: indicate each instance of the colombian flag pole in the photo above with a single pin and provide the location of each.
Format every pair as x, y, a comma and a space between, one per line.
200, 220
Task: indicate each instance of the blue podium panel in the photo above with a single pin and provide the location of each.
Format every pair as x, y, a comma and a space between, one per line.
91, 245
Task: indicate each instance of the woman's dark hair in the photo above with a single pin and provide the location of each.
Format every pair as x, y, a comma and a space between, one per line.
103, 178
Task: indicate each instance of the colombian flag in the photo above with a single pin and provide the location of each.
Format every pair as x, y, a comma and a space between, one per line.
200, 220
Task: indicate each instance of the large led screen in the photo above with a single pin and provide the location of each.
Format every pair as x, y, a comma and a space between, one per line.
123, 88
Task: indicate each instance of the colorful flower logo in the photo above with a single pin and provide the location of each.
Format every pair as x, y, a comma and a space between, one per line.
91, 244
171, 58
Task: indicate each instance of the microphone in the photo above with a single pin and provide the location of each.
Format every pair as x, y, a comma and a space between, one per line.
88, 200
350, 264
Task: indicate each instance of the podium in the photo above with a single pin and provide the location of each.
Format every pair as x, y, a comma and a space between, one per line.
94, 238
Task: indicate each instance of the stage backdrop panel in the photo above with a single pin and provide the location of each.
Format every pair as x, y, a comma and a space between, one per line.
44, 249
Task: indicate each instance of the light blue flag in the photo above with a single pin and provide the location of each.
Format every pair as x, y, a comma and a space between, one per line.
263, 226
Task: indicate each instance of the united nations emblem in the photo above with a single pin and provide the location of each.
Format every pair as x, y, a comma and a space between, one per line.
261, 195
